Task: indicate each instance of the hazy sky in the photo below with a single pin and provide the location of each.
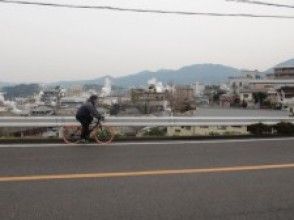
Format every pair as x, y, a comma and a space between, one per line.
48, 44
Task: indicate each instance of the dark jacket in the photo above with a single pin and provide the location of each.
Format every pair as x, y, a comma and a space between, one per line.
88, 111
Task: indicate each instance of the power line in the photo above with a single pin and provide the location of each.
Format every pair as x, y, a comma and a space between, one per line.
263, 3
110, 8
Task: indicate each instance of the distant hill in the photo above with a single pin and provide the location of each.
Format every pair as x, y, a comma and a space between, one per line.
288, 63
206, 73
21, 90
66, 84
3, 84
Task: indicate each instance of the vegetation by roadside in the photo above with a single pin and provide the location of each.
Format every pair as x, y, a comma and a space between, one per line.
280, 129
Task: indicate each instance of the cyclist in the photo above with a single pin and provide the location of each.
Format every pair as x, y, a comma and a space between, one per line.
85, 115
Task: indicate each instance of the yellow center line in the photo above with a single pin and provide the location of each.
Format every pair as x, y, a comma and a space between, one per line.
145, 173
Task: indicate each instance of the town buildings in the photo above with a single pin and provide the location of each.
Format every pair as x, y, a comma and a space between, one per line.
150, 101
276, 87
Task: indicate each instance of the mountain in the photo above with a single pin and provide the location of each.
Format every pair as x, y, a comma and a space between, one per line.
66, 84
3, 84
206, 73
288, 63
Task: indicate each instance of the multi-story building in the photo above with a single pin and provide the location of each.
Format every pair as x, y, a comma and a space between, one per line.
284, 73
150, 101
247, 84
238, 83
183, 99
52, 96
198, 89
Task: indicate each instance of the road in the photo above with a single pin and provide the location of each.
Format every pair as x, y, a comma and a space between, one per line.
233, 179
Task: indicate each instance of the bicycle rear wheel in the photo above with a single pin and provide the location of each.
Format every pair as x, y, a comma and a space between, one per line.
103, 135
72, 134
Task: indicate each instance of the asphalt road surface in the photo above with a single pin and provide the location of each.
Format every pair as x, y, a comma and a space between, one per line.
238, 179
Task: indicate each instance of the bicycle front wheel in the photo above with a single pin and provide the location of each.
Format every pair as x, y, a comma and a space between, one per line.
72, 134
103, 135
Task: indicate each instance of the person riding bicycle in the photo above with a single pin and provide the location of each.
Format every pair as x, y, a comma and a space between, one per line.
85, 115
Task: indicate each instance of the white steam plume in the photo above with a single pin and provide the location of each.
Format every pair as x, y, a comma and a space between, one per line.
158, 85
10, 104
106, 89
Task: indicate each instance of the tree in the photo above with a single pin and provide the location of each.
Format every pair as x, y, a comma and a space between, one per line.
218, 94
156, 132
234, 87
259, 97
260, 129
114, 109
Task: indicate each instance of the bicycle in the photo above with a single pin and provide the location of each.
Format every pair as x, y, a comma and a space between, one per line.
102, 134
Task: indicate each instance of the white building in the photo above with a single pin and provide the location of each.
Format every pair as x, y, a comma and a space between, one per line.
243, 81
72, 102
198, 89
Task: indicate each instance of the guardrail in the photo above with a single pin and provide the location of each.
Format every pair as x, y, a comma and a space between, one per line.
143, 121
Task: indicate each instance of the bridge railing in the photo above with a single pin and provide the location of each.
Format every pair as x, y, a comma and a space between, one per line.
143, 121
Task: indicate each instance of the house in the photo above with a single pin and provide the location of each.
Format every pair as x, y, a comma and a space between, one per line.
236, 83
225, 101
72, 102
150, 101
246, 95
183, 99
284, 73
42, 110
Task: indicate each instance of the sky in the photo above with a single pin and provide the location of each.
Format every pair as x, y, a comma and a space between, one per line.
39, 44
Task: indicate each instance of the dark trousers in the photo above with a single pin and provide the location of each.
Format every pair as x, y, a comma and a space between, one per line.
85, 122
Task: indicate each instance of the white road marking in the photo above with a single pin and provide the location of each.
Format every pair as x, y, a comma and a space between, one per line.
160, 142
